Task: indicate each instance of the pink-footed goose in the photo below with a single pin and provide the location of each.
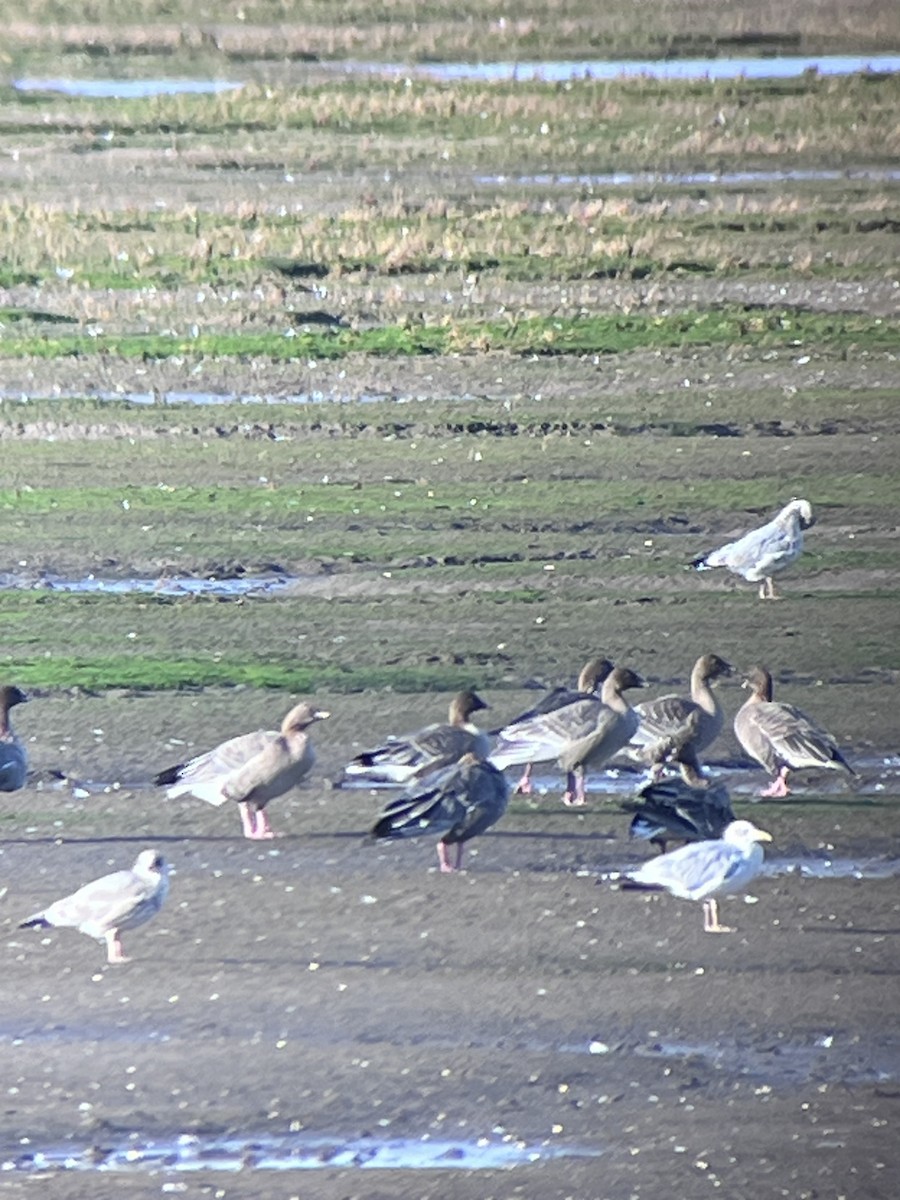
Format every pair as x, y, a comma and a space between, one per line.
460, 802
584, 734
251, 769
13, 759
590, 680
782, 738
677, 728
400, 760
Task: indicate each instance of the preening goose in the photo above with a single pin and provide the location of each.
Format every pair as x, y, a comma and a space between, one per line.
706, 870
403, 759
677, 728
782, 738
593, 673
672, 809
251, 769
765, 551
460, 802
104, 908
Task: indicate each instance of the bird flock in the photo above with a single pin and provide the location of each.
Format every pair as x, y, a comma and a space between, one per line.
452, 773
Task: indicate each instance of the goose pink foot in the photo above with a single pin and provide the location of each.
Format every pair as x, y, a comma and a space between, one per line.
447, 867
778, 786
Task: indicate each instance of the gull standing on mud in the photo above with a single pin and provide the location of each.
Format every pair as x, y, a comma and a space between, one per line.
13, 759
584, 734
460, 801
251, 769
590, 680
413, 755
103, 908
764, 552
676, 728
674, 809
706, 870
782, 738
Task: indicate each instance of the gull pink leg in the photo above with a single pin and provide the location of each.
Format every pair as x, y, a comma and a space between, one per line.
114, 951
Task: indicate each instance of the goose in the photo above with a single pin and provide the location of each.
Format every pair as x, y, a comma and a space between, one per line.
780, 737
674, 809
251, 769
402, 759
104, 908
13, 759
765, 551
705, 870
459, 801
592, 675
585, 733
677, 728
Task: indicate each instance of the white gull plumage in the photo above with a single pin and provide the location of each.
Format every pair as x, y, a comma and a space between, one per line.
106, 906
706, 870
765, 551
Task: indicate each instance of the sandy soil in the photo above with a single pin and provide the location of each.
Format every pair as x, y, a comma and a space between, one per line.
320, 984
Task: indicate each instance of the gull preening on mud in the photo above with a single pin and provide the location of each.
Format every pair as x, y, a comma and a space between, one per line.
585, 733
104, 908
782, 738
250, 769
706, 870
411, 756
676, 728
766, 551
460, 801
13, 759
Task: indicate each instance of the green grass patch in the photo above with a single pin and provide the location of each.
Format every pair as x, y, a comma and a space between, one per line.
543, 336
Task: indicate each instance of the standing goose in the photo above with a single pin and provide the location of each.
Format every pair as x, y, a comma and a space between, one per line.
706, 870
780, 737
251, 769
13, 759
593, 673
586, 733
103, 908
403, 759
674, 809
677, 728
460, 801
765, 551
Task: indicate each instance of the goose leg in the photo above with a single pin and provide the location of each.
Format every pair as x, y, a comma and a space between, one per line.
778, 786
448, 867
523, 787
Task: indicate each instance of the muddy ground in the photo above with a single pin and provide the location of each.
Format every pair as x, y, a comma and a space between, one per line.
322, 985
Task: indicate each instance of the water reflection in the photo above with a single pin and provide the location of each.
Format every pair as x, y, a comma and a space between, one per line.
694, 178
301, 1152
127, 89
787, 67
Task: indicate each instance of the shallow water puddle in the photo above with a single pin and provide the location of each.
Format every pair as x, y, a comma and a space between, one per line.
693, 178
127, 89
148, 399
782, 67
296, 1153
243, 585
